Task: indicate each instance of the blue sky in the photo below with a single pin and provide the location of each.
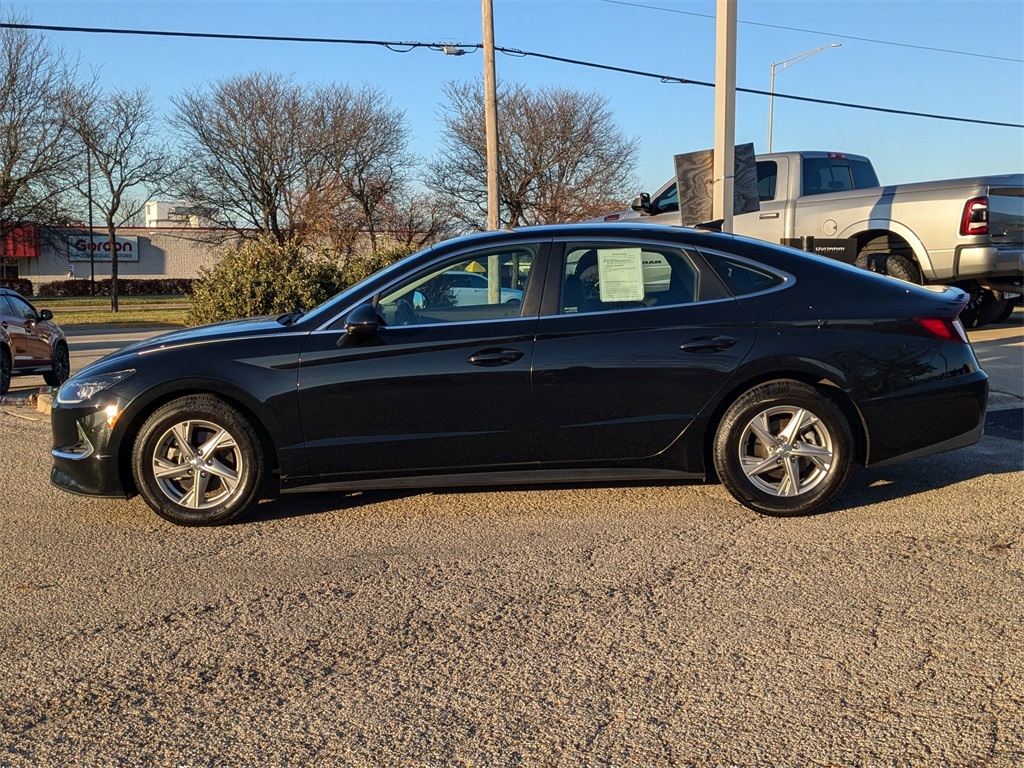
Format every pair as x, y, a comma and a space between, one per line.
669, 37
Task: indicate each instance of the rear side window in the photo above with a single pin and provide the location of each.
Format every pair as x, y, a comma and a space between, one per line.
836, 174
825, 175
601, 277
742, 278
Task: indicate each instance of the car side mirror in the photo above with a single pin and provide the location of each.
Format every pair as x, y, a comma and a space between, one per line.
45, 314
642, 204
361, 324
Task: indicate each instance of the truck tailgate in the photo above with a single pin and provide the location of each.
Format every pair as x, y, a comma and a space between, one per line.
1006, 215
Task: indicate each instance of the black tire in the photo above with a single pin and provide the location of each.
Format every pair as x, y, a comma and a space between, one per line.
1007, 311
61, 369
5, 370
984, 308
753, 443
892, 264
174, 438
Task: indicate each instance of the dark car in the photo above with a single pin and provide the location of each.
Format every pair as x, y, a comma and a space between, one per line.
637, 352
30, 342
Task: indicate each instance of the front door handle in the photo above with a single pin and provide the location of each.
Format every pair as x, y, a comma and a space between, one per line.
769, 215
489, 358
708, 344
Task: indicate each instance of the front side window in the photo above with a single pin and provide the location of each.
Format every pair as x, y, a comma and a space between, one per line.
667, 201
603, 277
482, 285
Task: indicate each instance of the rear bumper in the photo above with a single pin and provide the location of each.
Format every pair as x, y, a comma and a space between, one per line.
979, 262
919, 421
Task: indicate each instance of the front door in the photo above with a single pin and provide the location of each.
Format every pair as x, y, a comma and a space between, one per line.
442, 386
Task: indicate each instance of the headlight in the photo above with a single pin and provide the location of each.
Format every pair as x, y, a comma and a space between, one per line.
78, 390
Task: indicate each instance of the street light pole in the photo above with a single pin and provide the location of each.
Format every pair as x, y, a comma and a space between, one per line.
779, 67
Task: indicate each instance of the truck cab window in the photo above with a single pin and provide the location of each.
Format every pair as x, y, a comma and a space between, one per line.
767, 179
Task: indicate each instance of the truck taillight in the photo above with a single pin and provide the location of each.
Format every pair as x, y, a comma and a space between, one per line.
975, 218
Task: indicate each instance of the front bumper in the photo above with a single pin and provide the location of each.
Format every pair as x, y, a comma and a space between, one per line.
85, 451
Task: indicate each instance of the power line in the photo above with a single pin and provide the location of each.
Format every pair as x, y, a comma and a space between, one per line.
809, 99
818, 32
405, 47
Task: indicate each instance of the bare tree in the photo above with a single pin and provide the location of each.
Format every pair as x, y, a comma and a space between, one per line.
243, 142
126, 156
419, 221
563, 158
37, 148
358, 165
307, 163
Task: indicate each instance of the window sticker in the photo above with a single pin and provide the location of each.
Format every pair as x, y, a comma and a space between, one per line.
621, 274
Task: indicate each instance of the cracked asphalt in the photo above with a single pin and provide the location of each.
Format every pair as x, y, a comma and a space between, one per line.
647, 625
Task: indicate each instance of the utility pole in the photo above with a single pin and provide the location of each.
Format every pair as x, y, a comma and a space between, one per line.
491, 129
725, 113
490, 115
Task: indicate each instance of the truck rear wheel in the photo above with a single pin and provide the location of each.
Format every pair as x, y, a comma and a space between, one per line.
892, 264
984, 308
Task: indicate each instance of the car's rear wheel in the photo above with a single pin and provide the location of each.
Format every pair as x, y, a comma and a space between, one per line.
784, 448
198, 461
5, 370
61, 368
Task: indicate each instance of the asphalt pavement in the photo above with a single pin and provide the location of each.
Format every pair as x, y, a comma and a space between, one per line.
627, 625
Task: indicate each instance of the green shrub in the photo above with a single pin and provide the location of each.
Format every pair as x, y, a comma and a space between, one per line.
21, 285
126, 286
262, 277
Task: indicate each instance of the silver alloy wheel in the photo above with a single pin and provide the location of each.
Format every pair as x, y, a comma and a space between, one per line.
786, 451
197, 464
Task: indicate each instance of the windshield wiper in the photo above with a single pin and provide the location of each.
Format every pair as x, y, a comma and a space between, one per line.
290, 318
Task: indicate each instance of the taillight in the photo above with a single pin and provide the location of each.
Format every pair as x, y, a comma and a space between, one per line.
975, 218
945, 329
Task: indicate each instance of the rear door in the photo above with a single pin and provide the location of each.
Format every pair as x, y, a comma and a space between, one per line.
638, 341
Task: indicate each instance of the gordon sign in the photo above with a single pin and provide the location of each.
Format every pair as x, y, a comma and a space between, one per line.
80, 249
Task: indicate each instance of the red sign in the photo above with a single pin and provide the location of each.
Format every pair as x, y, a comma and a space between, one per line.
20, 241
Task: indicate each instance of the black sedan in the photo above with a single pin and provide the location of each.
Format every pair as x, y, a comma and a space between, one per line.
636, 352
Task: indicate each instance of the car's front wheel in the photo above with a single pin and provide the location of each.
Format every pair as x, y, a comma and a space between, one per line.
61, 367
5, 370
198, 461
784, 448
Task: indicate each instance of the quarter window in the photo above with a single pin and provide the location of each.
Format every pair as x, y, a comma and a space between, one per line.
608, 276
742, 278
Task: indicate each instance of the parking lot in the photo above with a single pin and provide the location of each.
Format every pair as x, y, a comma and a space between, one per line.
598, 625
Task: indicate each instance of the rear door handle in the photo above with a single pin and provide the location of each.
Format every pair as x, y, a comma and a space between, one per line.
708, 344
489, 358
769, 215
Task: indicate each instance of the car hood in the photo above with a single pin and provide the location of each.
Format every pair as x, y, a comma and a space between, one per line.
231, 329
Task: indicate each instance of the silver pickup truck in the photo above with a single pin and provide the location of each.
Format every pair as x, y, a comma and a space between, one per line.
964, 232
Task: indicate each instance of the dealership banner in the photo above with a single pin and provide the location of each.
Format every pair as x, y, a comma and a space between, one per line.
80, 249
